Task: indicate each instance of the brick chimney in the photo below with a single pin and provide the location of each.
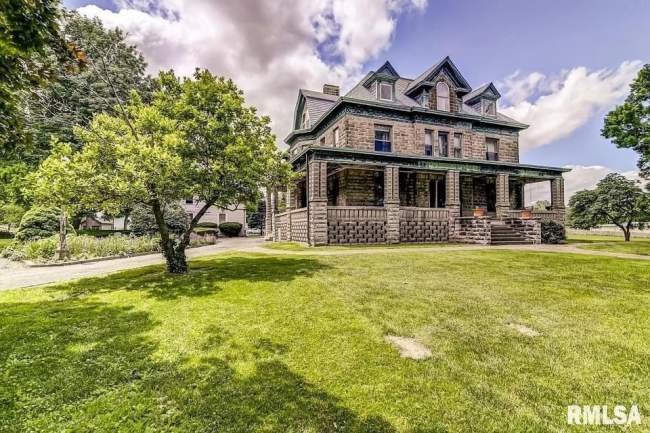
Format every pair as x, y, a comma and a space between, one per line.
331, 89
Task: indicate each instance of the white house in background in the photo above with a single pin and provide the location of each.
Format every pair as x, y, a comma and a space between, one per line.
215, 214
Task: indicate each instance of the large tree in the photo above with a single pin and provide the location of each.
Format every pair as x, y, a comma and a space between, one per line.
615, 200
196, 138
628, 125
27, 28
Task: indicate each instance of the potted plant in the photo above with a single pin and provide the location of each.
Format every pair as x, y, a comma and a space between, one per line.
479, 212
526, 214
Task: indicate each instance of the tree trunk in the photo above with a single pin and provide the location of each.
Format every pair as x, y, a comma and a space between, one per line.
174, 253
63, 233
176, 259
626, 232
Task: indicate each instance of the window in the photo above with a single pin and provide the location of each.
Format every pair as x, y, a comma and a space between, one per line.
222, 218
386, 91
428, 143
336, 137
189, 200
382, 138
437, 193
443, 144
305, 120
378, 188
442, 96
489, 107
491, 149
425, 99
458, 145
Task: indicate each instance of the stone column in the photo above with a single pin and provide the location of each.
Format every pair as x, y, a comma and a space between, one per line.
317, 190
557, 197
391, 203
452, 201
268, 217
503, 195
274, 213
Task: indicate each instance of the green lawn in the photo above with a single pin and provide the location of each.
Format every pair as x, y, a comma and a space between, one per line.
4, 242
270, 343
637, 245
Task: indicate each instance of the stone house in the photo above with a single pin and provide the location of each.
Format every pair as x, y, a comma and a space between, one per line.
408, 160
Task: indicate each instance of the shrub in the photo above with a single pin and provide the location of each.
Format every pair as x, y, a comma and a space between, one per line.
6, 235
553, 232
102, 233
38, 223
230, 229
208, 224
143, 221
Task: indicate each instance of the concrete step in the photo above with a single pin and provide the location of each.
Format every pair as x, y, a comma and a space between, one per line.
518, 242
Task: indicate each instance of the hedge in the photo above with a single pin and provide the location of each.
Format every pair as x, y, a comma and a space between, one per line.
230, 229
553, 232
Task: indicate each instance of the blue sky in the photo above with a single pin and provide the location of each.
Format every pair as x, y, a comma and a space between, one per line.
579, 56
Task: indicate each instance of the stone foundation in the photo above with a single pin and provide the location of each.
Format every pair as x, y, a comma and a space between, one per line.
531, 228
472, 230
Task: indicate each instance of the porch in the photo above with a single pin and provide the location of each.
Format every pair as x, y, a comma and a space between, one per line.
341, 203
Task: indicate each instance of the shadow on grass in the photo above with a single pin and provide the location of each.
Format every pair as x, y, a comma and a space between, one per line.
206, 276
76, 365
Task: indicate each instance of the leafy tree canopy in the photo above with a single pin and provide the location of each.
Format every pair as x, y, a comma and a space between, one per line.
196, 138
616, 200
628, 125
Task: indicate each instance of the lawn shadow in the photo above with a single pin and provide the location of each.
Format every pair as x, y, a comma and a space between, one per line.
206, 276
79, 365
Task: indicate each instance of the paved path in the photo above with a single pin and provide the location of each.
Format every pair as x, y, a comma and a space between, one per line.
14, 275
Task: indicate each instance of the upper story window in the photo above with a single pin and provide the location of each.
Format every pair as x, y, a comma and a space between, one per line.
189, 200
489, 107
442, 96
458, 145
428, 143
385, 91
336, 137
305, 120
491, 149
382, 138
424, 99
443, 144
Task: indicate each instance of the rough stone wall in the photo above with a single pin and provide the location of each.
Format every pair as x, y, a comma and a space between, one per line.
299, 225
531, 229
281, 227
357, 187
472, 231
354, 225
423, 225
407, 138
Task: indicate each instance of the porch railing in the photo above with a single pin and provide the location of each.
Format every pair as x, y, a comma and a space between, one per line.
539, 214
423, 214
356, 213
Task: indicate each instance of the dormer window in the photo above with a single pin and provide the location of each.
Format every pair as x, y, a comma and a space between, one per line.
424, 99
385, 91
442, 96
305, 120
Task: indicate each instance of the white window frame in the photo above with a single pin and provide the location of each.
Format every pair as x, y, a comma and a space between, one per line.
460, 144
442, 102
428, 136
380, 85
486, 104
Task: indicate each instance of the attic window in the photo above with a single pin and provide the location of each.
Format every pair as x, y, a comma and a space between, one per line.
442, 96
386, 91
305, 120
489, 107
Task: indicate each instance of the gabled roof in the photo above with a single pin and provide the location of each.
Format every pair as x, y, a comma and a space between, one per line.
317, 104
388, 69
430, 73
487, 90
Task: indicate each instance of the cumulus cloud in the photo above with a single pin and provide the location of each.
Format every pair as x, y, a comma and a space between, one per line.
269, 48
580, 177
554, 107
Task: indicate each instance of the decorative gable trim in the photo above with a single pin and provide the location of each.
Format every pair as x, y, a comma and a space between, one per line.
488, 91
427, 79
388, 69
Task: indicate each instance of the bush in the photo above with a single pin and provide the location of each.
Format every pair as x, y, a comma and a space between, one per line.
230, 229
143, 221
553, 232
206, 231
208, 224
102, 233
38, 223
6, 235
82, 247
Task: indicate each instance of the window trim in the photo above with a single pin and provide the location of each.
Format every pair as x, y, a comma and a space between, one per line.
305, 121
441, 133
496, 149
485, 104
459, 147
447, 98
428, 148
389, 130
336, 137
379, 86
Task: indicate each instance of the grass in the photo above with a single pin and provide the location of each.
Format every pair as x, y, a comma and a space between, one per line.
4, 243
282, 343
637, 245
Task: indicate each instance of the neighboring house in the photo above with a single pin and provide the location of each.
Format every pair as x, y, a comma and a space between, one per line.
98, 222
216, 215
409, 160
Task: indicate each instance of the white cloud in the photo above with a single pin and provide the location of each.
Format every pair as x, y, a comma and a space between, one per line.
580, 177
269, 48
556, 107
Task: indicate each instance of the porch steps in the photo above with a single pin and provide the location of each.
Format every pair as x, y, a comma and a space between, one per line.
506, 235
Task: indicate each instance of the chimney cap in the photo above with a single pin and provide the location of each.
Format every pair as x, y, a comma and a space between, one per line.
331, 89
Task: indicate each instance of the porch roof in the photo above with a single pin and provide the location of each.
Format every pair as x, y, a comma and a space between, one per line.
341, 155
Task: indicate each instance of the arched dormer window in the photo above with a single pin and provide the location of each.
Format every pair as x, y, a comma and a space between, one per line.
442, 96
304, 123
